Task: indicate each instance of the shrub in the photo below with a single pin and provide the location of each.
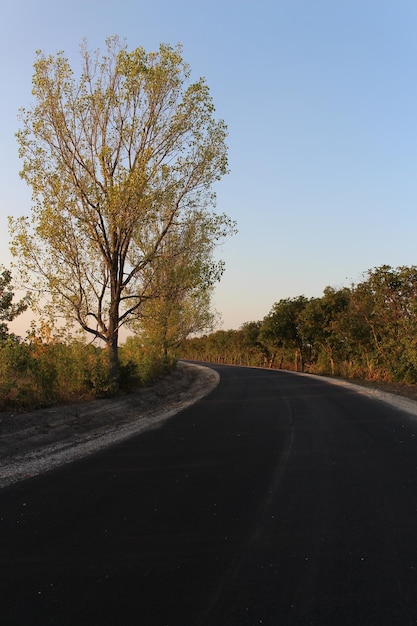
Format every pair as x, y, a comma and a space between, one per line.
39, 373
141, 365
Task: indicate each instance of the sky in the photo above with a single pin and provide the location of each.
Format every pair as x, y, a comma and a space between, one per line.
320, 100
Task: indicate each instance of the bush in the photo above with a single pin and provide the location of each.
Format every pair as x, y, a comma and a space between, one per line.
37, 374
140, 365
48, 370
40, 373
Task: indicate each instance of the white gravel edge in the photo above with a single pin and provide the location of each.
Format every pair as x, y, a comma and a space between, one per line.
399, 402
57, 454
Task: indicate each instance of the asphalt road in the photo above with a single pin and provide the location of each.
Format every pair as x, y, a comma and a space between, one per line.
276, 500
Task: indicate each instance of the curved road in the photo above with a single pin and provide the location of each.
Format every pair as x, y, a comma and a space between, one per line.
276, 500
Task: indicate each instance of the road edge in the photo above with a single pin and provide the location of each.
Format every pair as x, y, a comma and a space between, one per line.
21, 466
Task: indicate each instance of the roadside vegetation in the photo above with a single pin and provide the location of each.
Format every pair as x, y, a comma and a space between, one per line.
48, 368
121, 156
367, 331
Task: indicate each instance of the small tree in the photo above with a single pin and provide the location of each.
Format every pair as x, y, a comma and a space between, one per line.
118, 160
321, 324
184, 278
9, 310
254, 351
281, 330
385, 305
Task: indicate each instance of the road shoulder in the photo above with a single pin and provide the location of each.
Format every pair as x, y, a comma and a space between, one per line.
37, 441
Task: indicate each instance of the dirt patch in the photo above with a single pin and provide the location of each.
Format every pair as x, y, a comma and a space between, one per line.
33, 442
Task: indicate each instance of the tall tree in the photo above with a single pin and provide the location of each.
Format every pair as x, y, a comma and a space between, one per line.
118, 159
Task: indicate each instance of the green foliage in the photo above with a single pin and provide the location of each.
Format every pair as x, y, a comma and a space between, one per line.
322, 327
8, 309
140, 365
36, 374
48, 370
14, 359
281, 330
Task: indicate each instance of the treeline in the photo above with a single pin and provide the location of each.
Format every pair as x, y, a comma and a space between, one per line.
367, 331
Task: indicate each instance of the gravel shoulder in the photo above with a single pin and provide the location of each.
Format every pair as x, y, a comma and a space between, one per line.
402, 397
37, 441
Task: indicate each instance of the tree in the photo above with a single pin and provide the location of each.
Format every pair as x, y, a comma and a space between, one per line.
185, 277
386, 303
281, 330
254, 352
321, 323
118, 160
9, 310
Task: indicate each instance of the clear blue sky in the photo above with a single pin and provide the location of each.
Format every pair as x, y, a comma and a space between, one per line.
320, 97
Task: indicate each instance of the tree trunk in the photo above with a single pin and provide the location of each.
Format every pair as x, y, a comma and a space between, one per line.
299, 360
113, 359
113, 325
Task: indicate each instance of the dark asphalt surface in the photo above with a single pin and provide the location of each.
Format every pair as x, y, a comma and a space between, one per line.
276, 500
